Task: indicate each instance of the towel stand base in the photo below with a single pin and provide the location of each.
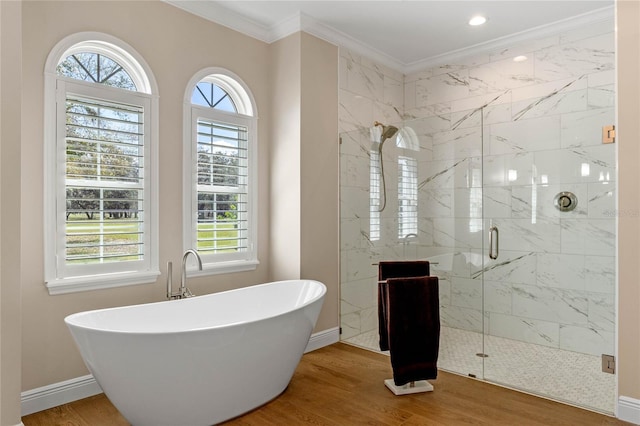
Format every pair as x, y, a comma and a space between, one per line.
413, 387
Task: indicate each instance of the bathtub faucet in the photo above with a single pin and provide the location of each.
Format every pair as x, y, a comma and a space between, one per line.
184, 291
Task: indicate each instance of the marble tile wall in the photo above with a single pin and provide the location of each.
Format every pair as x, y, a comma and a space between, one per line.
498, 140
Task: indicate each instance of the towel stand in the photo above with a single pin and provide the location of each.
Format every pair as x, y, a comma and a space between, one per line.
411, 387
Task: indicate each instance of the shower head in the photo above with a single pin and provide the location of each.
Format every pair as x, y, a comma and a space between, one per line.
387, 131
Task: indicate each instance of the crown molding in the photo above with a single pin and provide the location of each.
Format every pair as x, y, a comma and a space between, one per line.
212, 11
568, 24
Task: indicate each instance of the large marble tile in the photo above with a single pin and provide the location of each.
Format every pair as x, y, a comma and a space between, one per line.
354, 112
358, 295
575, 165
393, 91
562, 102
500, 75
511, 266
584, 128
497, 202
466, 293
588, 237
354, 202
539, 332
442, 88
461, 318
587, 340
600, 273
455, 232
468, 203
578, 58
602, 200
602, 311
436, 202
365, 81
551, 304
539, 134
457, 144
498, 297
508, 169
562, 271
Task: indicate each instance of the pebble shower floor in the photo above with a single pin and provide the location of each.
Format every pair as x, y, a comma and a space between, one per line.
570, 377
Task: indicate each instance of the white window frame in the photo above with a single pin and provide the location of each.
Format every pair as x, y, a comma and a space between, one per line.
246, 117
60, 279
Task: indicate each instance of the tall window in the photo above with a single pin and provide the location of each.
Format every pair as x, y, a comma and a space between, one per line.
407, 140
99, 200
374, 195
220, 173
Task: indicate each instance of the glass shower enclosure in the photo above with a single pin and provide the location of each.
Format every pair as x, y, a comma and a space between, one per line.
513, 203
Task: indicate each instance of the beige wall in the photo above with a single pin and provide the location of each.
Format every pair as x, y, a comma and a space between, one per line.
320, 171
10, 130
284, 160
176, 45
628, 69
305, 166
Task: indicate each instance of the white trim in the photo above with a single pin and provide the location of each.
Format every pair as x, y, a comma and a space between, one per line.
323, 338
56, 394
629, 409
101, 281
147, 94
246, 116
302, 22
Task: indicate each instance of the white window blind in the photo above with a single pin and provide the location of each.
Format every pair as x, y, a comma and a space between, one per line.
104, 181
374, 195
222, 187
407, 196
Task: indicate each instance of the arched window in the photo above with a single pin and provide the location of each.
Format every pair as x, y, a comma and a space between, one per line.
100, 206
220, 172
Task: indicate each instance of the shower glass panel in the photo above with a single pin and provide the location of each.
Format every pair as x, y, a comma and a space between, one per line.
514, 148
433, 211
549, 186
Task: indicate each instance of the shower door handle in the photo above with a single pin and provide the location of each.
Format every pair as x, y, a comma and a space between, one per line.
493, 230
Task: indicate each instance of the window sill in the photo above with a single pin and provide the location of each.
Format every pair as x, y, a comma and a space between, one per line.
224, 268
99, 282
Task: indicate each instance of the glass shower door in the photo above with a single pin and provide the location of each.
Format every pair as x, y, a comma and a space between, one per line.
548, 295
451, 235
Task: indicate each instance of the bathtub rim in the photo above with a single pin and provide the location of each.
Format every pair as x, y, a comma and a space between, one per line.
69, 318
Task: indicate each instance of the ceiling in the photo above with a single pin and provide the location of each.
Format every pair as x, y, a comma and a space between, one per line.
405, 35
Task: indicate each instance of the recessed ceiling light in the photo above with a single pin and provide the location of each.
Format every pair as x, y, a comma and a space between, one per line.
477, 20
520, 58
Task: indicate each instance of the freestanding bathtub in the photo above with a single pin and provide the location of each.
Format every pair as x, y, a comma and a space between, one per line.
201, 360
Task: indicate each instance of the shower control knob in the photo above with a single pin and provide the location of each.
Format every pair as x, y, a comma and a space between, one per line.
565, 201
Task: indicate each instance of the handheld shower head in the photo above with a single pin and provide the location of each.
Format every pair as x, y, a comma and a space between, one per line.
387, 131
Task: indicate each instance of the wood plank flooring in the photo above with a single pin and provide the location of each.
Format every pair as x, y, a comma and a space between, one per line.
343, 385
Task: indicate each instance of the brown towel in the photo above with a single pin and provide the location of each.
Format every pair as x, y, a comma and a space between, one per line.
394, 269
413, 328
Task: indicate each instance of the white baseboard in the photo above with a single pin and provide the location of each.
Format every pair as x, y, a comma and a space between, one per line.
629, 409
323, 338
58, 393
83, 387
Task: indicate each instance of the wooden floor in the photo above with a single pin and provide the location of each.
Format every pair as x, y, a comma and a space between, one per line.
343, 385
